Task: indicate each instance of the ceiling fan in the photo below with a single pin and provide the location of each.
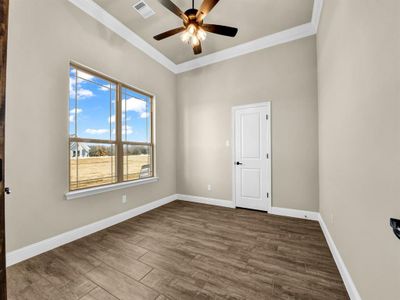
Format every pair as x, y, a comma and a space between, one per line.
194, 30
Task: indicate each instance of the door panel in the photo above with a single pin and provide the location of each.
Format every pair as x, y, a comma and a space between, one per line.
250, 134
252, 146
251, 183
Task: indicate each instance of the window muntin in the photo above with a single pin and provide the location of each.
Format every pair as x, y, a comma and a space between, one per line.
136, 113
110, 132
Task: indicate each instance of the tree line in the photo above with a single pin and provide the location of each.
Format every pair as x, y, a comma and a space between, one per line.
108, 150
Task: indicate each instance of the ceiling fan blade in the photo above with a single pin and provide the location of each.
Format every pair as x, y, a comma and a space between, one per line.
168, 33
197, 49
220, 29
175, 9
205, 8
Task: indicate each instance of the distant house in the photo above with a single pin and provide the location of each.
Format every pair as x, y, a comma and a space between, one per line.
82, 150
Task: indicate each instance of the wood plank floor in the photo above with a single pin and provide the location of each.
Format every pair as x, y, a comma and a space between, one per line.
187, 251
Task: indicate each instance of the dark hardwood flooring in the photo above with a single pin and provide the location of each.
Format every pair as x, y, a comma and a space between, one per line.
187, 251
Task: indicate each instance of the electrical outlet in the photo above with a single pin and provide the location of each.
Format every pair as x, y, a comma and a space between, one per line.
123, 199
209, 187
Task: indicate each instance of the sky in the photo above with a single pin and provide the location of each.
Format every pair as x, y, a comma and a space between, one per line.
92, 109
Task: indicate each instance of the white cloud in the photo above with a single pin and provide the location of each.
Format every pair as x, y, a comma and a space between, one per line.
111, 119
71, 86
127, 130
83, 75
96, 131
72, 114
83, 93
134, 104
104, 88
144, 115
78, 111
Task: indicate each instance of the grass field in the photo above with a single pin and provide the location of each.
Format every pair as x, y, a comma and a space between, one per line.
93, 171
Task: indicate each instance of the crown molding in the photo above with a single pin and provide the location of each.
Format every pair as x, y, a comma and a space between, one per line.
316, 15
97, 12
285, 36
268, 41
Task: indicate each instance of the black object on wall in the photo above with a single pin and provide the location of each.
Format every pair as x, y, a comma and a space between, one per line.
395, 224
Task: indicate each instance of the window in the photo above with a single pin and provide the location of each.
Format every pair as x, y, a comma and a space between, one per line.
110, 131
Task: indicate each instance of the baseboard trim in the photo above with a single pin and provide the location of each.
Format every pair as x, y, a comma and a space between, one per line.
344, 272
287, 212
295, 213
205, 200
29, 251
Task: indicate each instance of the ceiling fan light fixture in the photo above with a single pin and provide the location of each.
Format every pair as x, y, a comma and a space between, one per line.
185, 37
191, 29
201, 34
193, 35
194, 41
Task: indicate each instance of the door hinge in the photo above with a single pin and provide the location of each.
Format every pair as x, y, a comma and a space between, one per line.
267, 195
266, 117
267, 155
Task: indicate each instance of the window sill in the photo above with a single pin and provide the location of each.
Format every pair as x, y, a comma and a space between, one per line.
107, 188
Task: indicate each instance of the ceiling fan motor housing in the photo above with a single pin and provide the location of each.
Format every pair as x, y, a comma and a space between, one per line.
191, 14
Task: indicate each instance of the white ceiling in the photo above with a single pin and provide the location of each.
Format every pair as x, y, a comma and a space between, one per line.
261, 23
254, 18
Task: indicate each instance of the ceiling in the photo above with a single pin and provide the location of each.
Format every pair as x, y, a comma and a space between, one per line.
254, 18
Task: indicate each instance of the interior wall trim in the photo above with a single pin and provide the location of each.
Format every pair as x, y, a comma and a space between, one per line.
268, 41
97, 12
295, 213
206, 200
285, 36
29, 251
302, 214
344, 272
316, 15
32, 250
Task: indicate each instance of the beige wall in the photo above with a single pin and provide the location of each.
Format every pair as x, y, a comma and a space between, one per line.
359, 134
44, 36
286, 76
359, 142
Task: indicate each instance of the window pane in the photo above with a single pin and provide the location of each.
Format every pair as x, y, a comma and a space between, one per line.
92, 106
137, 162
72, 102
92, 164
92, 124
136, 116
82, 75
73, 162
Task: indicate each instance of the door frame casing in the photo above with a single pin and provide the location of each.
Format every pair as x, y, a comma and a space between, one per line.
265, 104
4, 7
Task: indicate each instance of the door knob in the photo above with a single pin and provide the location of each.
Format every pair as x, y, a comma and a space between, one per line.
7, 190
395, 224
238, 163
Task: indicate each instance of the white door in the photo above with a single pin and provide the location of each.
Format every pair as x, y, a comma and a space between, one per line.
252, 165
